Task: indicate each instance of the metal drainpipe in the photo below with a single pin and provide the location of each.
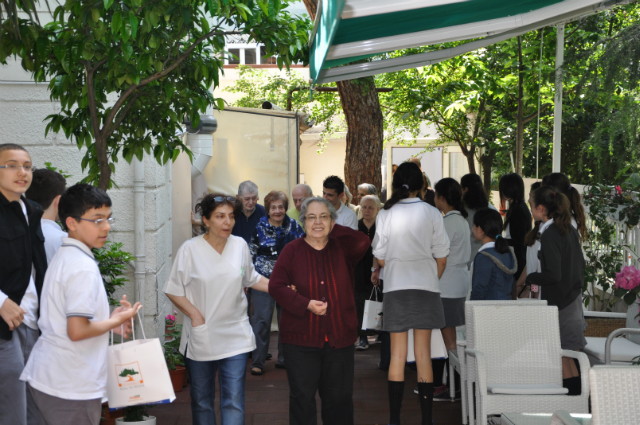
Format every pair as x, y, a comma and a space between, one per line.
139, 234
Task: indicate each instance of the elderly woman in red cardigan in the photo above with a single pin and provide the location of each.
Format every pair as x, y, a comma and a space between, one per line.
318, 323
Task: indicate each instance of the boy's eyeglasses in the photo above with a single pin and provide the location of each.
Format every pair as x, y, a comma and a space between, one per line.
16, 167
223, 198
101, 221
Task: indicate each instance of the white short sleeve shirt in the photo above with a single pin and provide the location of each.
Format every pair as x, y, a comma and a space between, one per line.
409, 237
346, 217
71, 370
214, 283
454, 282
53, 235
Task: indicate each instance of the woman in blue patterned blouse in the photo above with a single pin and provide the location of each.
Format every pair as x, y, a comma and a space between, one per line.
272, 233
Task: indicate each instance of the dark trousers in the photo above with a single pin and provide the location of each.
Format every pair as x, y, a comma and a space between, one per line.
327, 371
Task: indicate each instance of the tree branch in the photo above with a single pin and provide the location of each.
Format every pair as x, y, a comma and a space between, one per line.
91, 97
158, 75
123, 113
535, 114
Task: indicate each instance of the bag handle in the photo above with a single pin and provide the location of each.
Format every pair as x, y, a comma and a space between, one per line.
375, 290
133, 329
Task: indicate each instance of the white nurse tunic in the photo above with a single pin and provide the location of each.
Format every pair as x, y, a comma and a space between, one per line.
214, 283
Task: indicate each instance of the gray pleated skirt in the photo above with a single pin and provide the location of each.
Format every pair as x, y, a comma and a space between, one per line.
412, 309
453, 311
571, 326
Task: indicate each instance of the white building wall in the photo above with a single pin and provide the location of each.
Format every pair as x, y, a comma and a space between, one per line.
23, 108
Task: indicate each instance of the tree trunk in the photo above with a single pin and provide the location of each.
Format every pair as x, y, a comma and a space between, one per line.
487, 162
103, 163
520, 118
365, 133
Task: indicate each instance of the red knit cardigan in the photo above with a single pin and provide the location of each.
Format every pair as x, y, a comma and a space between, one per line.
323, 275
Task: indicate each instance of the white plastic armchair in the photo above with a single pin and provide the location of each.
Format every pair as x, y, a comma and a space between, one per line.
467, 371
615, 394
517, 361
614, 350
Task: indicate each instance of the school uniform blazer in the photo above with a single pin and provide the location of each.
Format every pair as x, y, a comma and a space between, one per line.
21, 245
562, 266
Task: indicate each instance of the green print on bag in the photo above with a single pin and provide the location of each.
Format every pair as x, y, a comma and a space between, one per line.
127, 372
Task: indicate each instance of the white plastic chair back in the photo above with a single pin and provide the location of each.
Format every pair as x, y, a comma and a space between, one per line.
615, 394
521, 344
469, 320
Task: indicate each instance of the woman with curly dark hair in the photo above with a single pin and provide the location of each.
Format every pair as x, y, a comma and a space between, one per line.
207, 282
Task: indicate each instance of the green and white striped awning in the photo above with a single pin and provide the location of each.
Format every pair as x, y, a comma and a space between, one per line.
347, 31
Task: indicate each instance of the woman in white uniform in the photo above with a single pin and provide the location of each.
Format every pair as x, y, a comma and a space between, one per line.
207, 283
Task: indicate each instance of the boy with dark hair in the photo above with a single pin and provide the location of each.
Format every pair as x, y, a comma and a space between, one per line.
46, 188
332, 188
67, 370
22, 268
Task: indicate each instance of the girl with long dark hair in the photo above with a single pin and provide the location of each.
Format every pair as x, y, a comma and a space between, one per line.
562, 183
561, 273
474, 198
411, 244
517, 222
454, 283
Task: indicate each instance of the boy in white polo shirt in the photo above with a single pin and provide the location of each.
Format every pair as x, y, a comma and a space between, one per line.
67, 370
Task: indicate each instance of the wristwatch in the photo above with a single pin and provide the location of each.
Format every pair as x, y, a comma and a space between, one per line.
373, 269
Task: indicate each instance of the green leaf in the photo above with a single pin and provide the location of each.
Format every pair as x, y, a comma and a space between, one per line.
144, 63
220, 104
152, 42
204, 24
128, 51
107, 4
158, 66
154, 17
133, 22
168, 90
116, 22
95, 15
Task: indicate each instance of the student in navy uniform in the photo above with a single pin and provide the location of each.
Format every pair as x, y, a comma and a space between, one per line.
22, 271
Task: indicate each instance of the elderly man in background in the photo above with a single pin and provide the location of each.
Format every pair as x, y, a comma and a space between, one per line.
364, 189
248, 219
299, 193
252, 212
332, 189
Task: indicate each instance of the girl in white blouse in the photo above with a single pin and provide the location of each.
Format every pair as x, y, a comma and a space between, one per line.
412, 245
207, 283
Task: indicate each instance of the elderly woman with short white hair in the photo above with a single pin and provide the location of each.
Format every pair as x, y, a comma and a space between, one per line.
369, 205
318, 323
364, 189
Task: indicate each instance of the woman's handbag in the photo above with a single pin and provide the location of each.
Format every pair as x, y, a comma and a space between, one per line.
372, 318
438, 349
137, 373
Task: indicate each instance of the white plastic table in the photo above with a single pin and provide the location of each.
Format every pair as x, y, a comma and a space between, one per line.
558, 418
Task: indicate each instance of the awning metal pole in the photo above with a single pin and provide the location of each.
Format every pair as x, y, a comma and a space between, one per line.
539, 94
557, 113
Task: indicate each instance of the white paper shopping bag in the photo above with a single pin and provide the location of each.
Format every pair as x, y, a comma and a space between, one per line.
137, 374
372, 318
438, 349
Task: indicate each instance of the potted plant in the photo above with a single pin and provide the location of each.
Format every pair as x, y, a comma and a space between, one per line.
172, 356
137, 415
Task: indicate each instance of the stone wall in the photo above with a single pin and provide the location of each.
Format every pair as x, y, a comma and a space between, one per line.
23, 107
